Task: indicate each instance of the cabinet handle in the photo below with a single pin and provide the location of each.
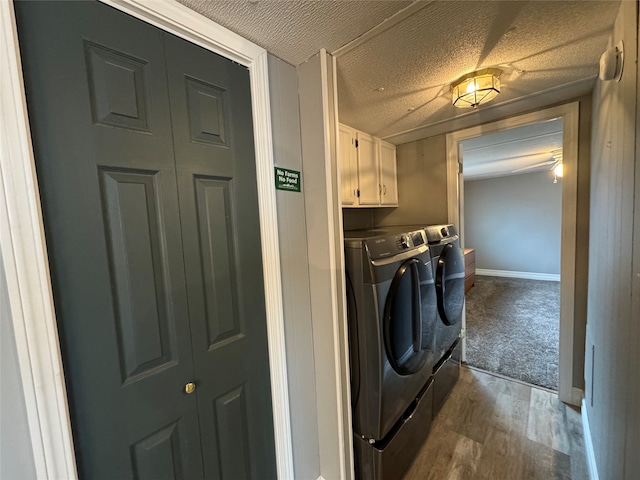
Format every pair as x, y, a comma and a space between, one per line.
379, 190
384, 189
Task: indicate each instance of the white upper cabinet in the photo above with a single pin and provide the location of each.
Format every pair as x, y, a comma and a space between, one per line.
368, 170
348, 166
368, 174
388, 174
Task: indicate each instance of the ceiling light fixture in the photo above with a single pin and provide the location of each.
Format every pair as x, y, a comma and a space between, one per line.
475, 88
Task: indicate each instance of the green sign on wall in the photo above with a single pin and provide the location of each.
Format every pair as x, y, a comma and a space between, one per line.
287, 179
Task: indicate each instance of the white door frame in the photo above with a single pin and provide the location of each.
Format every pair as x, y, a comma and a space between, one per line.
24, 251
570, 114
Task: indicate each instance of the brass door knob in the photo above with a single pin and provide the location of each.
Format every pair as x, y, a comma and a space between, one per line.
190, 387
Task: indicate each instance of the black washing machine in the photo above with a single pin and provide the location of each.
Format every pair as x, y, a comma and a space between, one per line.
392, 319
448, 263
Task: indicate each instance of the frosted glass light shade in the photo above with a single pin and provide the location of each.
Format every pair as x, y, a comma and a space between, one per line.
475, 88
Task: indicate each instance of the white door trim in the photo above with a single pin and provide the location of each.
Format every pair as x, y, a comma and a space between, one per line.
24, 249
570, 115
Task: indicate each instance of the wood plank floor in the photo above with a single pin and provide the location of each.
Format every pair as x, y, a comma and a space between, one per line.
491, 428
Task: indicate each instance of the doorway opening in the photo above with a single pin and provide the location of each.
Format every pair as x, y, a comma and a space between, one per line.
512, 203
569, 113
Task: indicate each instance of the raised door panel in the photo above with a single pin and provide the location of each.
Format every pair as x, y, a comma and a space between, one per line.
388, 173
217, 250
145, 325
221, 234
348, 166
231, 415
99, 115
161, 454
368, 180
117, 86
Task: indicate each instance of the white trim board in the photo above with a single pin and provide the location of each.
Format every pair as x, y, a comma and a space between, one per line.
343, 372
27, 272
588, 443
325, 248
569, 113
25, 254
512, 274
385, 25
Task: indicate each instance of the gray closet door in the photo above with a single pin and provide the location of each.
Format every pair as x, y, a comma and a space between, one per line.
145, 299
215, 158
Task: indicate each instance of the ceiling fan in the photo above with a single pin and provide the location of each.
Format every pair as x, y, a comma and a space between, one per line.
554, 161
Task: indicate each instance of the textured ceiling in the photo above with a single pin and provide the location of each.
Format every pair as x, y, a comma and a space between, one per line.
527, 149
540, 46
296, 30
414, 50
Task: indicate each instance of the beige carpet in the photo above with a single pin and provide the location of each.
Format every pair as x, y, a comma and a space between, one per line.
513, 328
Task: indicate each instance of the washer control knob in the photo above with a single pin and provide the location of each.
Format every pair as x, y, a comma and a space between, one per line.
404, 241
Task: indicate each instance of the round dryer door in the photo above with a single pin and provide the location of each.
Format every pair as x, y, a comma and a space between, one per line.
450, 284
403, 323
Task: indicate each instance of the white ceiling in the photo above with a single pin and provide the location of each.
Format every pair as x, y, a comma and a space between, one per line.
296, 30
414, 50
540, 46
397, 59
527, 149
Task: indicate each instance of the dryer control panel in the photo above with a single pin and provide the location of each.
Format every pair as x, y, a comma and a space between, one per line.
389, 245
411, 240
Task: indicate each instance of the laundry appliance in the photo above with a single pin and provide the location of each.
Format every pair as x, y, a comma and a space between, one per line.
392, 317
448, 264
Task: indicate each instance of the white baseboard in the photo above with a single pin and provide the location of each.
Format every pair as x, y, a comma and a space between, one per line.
511, 274
588, 444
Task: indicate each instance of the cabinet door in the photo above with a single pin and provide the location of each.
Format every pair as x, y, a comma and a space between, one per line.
388, 174
348, 166
368, 180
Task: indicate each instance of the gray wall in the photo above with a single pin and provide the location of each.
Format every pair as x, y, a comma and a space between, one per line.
294, 262
514, 222
357, 218
422, 189
16, 454
422, 184
613, 319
